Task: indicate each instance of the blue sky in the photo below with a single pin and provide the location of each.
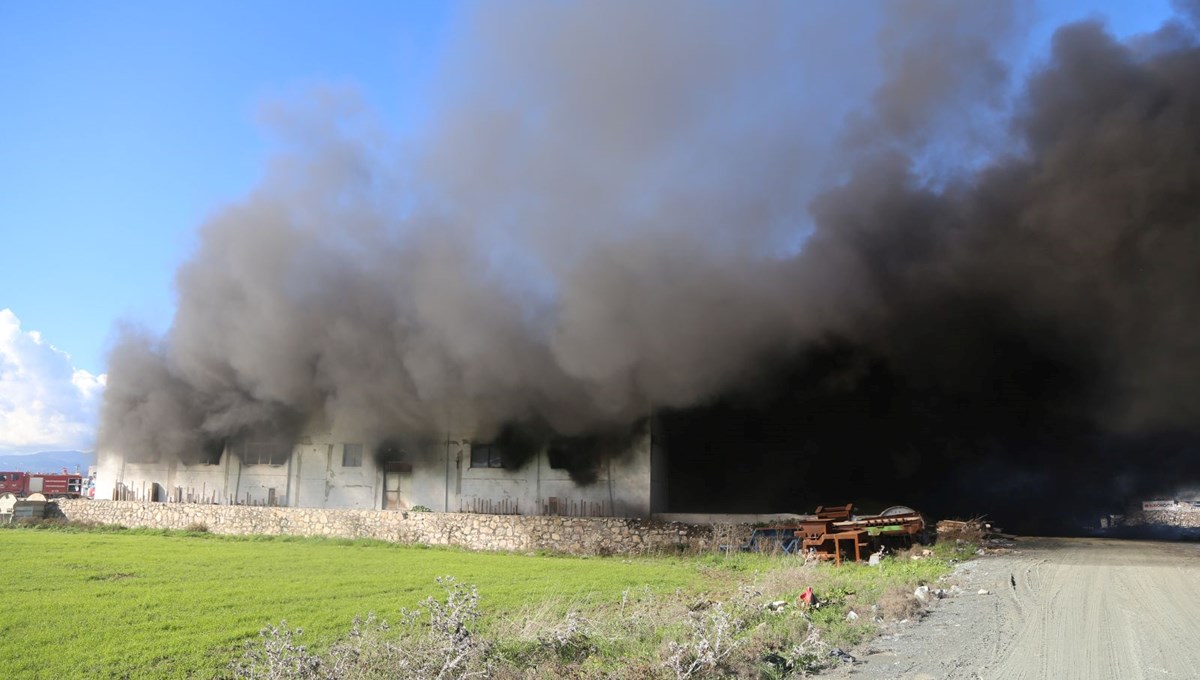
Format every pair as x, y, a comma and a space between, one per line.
125, 124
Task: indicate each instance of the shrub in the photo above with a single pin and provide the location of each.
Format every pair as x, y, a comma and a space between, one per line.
446, 649
452, 650
803, 658
762, 630
278, 657
571, 640
711, 642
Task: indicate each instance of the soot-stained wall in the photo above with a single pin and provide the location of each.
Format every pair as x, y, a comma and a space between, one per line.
439, 475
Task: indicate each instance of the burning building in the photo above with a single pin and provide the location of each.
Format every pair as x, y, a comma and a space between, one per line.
838, 254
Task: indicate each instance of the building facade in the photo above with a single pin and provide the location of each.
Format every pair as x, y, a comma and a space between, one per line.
340, 470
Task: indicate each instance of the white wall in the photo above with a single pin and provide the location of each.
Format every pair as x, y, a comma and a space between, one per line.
310, 475
200, 482
252, 484
349, 487
109, 465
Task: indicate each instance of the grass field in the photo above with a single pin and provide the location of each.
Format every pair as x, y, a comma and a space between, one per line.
144, 605
150, 604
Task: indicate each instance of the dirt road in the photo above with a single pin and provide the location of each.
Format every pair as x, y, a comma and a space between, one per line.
1092, 609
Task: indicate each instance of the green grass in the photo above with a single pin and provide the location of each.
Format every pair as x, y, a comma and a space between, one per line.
114, 602
144, 604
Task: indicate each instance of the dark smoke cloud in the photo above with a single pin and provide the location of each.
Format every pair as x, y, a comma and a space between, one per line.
621, 207
1024, 338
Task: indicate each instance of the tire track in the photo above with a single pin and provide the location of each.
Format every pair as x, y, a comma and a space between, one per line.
1086, 609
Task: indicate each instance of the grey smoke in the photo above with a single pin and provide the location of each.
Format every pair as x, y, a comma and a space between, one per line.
626, 206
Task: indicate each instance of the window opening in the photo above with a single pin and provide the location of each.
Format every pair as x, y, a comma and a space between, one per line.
265, 453
486, 456
352, 455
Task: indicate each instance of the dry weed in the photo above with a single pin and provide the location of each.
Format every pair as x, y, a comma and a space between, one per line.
898, 604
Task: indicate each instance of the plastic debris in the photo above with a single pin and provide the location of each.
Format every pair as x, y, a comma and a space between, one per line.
808, 597
841, 655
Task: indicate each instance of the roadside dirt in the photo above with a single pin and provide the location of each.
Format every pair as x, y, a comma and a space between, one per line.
1092, 609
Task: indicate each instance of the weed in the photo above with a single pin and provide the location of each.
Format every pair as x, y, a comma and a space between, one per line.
570, 640
453, 651
803, 658
713, 639
898, 604
446, 648
277, 656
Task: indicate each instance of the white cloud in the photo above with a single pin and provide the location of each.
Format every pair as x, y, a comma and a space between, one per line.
45, 402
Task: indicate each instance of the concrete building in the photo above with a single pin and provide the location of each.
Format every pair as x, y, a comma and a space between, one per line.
339, 470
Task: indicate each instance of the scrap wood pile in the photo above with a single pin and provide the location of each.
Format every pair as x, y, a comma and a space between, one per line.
967, 530
978, 530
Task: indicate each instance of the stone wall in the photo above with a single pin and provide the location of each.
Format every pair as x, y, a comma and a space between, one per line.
523, 533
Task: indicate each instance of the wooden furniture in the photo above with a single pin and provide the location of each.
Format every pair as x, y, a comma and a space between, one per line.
825, 539
825, 534
858, 537
837, 513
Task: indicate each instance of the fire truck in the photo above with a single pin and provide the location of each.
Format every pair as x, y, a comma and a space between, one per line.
50, 485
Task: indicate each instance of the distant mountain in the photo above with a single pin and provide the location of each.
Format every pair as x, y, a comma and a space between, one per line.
47, 461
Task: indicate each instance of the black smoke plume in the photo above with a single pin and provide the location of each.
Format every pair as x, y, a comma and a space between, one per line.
841, 254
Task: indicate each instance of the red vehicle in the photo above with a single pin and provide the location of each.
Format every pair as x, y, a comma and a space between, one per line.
51, 485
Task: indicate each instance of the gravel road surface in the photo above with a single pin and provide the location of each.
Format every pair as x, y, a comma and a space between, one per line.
1092, 609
